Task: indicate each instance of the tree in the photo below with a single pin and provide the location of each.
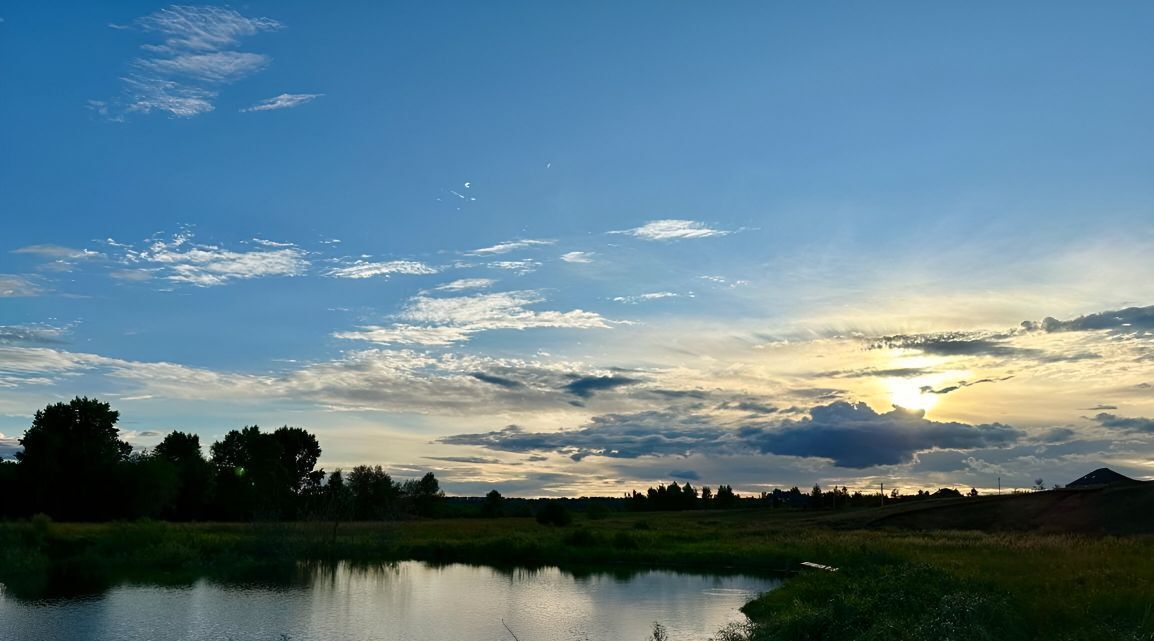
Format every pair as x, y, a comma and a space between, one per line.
298, 458
150, 485
193, 473
494, 505
423, 495
68, 465
265, 474
725, 498
374, 493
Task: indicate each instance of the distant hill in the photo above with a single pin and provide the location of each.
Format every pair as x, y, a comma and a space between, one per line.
1118, 509
1102, 476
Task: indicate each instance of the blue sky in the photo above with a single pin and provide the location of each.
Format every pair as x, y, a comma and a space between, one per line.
566, 249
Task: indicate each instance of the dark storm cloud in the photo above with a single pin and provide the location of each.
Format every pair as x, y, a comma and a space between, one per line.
753, 407
1113, 421
678, 394
1131, 319
650, 433
854, 435
507, 383
687, 475
1057, 435
586, 386
954, 344
849, 434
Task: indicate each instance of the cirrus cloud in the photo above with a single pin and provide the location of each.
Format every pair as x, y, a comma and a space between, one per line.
672, 229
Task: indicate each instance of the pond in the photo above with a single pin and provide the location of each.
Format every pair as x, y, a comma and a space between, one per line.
406, 601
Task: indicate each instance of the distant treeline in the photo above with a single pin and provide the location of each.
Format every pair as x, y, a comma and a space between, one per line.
75, 467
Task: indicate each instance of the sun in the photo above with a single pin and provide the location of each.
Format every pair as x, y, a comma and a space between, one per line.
912, 393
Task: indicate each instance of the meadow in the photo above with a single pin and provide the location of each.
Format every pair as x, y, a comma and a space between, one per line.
892, 584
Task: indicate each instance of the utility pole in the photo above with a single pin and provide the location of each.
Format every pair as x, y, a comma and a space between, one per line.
999, 486
883, 494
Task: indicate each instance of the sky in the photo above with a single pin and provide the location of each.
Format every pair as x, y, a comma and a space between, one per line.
564, 249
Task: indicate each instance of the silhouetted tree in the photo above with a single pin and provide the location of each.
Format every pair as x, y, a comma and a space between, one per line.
375, 496
423, 495
299, 452
264, 475
150, 486
194, 474
15, 499
725, 498
68, 465
494, 505
334, 501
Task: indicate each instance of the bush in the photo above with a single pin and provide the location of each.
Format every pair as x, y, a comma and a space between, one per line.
580, 538
898, 602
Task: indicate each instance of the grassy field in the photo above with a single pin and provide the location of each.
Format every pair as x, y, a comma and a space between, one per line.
893, 584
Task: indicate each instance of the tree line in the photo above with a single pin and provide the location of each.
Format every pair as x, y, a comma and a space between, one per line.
74, 466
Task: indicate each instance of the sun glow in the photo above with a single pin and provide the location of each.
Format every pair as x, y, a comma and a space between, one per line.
912, 393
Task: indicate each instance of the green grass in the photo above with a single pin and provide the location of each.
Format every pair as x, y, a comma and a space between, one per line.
892, 584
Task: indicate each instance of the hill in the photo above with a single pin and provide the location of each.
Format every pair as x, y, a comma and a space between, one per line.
1101, 477
1119, 509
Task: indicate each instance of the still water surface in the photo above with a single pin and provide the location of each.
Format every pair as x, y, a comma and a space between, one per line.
408, 601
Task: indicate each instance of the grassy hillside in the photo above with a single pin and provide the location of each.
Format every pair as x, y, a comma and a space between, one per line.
1121, 510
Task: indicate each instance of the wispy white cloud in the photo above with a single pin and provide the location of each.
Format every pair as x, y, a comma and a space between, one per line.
32, 334
183, 74
727, 282
641, 298
60, 258
446, 320
500, 310
366, 269
577, 257
506, 247
402, 334
13, 285
146, 95
180, 260
283, 101
57, 252
466, 283
672, 229
204, 28
221, 67
519, 266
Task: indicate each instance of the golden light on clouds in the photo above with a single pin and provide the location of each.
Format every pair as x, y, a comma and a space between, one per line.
911, 393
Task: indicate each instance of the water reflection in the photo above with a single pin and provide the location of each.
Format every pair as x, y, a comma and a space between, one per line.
405, 601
